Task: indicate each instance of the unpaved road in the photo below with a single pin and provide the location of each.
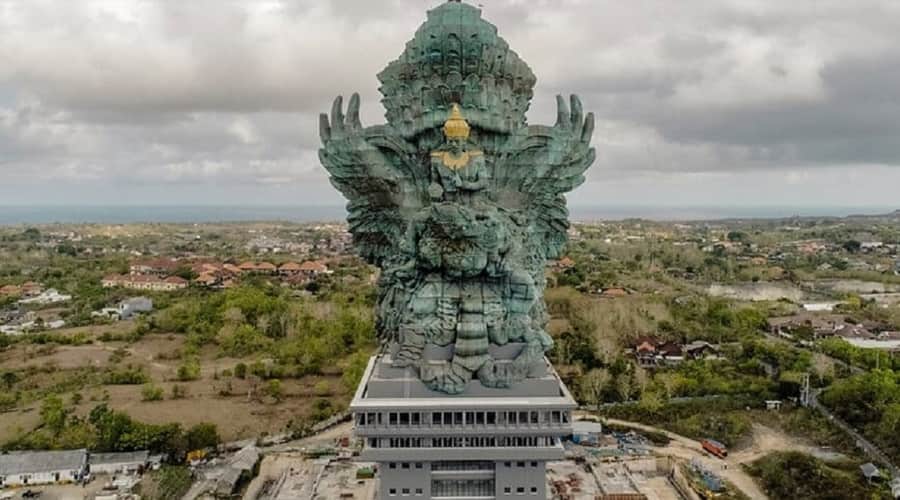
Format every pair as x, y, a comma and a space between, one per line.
765, 440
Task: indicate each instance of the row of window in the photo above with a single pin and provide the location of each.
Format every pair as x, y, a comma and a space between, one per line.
463, 488
406, 492
456, 418
451, 490
466, 442
520, 490
459, 465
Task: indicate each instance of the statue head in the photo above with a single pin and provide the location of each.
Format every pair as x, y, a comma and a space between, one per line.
456, 128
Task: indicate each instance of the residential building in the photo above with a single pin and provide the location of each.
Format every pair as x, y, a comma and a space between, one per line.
161, 266
23, 468
31, 289
136, 305
290, 269
314, 268
145, 282
50, 296
700, 349
651, 352
821, 306
261, 267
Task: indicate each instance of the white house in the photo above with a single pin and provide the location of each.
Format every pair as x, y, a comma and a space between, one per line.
119, 463
50, 296
136, 305
22, 468
820, 306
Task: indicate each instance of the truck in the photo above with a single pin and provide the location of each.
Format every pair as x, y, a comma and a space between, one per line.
714, 448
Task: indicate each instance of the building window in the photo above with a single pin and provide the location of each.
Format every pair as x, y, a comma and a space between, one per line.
392, 491
534, 490
418, 465
405, 491
436, 418
534, 464
520, 490
392, 465
507, 489
520, 464
404, 419
392, 418
492, 418
416, 419
405, 465
418, 491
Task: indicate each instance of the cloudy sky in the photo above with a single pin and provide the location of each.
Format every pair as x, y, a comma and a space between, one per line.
717, 102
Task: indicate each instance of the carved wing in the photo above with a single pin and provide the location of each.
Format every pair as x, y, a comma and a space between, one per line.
541, 165
370, 167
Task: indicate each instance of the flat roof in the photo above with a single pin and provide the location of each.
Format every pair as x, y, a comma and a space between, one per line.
125, 457
29, 462
362, 400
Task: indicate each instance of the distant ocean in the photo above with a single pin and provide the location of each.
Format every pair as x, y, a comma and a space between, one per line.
109, 214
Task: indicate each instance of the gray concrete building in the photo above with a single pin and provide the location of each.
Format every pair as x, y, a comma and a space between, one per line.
129, 462
23, 468
482, 444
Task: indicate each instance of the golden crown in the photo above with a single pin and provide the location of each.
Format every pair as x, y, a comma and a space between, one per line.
456, 126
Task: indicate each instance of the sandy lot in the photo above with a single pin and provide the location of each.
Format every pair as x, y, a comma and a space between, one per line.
238, 407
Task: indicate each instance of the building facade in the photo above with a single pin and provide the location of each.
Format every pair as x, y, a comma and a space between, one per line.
482, 444
25, 468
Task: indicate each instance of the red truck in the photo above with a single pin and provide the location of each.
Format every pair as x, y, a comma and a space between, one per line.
714, 448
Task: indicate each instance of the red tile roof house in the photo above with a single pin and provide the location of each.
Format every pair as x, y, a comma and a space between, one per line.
266, 267
32, 289
314, 268
262, 267
290, 268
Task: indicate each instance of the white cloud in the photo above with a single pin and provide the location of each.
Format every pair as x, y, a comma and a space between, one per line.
207, 100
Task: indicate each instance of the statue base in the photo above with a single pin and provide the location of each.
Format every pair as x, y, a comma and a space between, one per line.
482, 443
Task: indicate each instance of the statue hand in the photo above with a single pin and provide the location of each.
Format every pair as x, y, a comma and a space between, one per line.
572, 122
342, 127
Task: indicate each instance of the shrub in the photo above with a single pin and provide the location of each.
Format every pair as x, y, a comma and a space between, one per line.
126, 376
189, 370
151, 392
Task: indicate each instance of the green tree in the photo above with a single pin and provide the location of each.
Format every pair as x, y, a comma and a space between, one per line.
200, 436
53, 414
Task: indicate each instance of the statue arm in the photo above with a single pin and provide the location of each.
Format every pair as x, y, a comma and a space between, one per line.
365, 167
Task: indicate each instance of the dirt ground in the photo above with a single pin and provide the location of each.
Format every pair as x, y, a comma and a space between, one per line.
730, 469
63, 491
224, 401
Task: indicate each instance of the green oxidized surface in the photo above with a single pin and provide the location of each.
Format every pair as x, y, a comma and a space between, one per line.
460, 208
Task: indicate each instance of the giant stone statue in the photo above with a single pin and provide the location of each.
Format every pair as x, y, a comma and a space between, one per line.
458, 200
